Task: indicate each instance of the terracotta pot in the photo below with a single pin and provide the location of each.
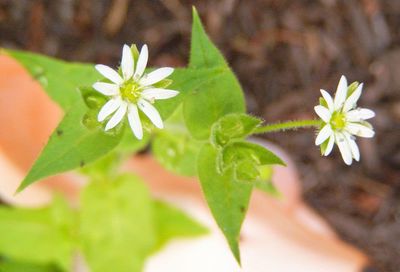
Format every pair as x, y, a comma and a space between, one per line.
278, 235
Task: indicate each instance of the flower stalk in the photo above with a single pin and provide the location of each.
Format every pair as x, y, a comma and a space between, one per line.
289, 125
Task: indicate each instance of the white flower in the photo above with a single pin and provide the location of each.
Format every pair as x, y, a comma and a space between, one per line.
343, 121
132, 89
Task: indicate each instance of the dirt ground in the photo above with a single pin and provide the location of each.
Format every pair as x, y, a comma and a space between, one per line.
283, 52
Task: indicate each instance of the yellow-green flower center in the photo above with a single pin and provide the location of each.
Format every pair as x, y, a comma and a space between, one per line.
130, 91
338, 120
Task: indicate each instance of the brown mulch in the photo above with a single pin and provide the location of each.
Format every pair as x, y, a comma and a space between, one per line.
283, 52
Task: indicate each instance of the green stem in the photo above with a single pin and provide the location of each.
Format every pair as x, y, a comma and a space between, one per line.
288, 125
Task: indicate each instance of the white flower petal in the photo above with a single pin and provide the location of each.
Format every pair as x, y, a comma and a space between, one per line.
151, 112
329, 146
106, 88
344, 148
108, 108
109, 73
117, 117
360, 130
328, 99
324, 134
351, 101
156, 93
142, 62
359, 114
127, 65
134, 121
355, 152
366, 114
156, 76
323, 113
341, 93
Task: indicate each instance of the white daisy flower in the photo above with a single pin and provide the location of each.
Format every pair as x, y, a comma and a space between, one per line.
343, 121
132, 89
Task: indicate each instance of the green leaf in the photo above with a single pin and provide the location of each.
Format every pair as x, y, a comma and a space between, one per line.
185, 80
227, 199
171, 223
216, 97
117, 230
59, 79
233, 127
203, 53
41, 236
210, 101
71, 145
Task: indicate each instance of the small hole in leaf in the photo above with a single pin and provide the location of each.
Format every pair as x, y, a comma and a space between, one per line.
82, 164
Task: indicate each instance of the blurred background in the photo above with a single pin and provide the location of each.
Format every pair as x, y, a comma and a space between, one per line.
283, 52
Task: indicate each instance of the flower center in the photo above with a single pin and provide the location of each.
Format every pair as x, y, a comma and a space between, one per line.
130, 91
338, 120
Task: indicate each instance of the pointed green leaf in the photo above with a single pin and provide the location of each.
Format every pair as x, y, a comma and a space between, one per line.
227, 198
210, 101
117, 231
203, 53
218, 96
71, 145
59, 79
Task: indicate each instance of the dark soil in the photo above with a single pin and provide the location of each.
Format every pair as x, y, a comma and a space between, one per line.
283, 52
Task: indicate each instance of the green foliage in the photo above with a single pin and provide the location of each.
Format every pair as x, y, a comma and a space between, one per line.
71, 145
186, 80
203, 53
205, 135
121, 225
227, 198
233, 127
172, 223
39, 236
59, 79
216, 97
116, 229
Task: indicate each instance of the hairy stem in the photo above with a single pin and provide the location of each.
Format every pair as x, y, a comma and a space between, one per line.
288, 125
